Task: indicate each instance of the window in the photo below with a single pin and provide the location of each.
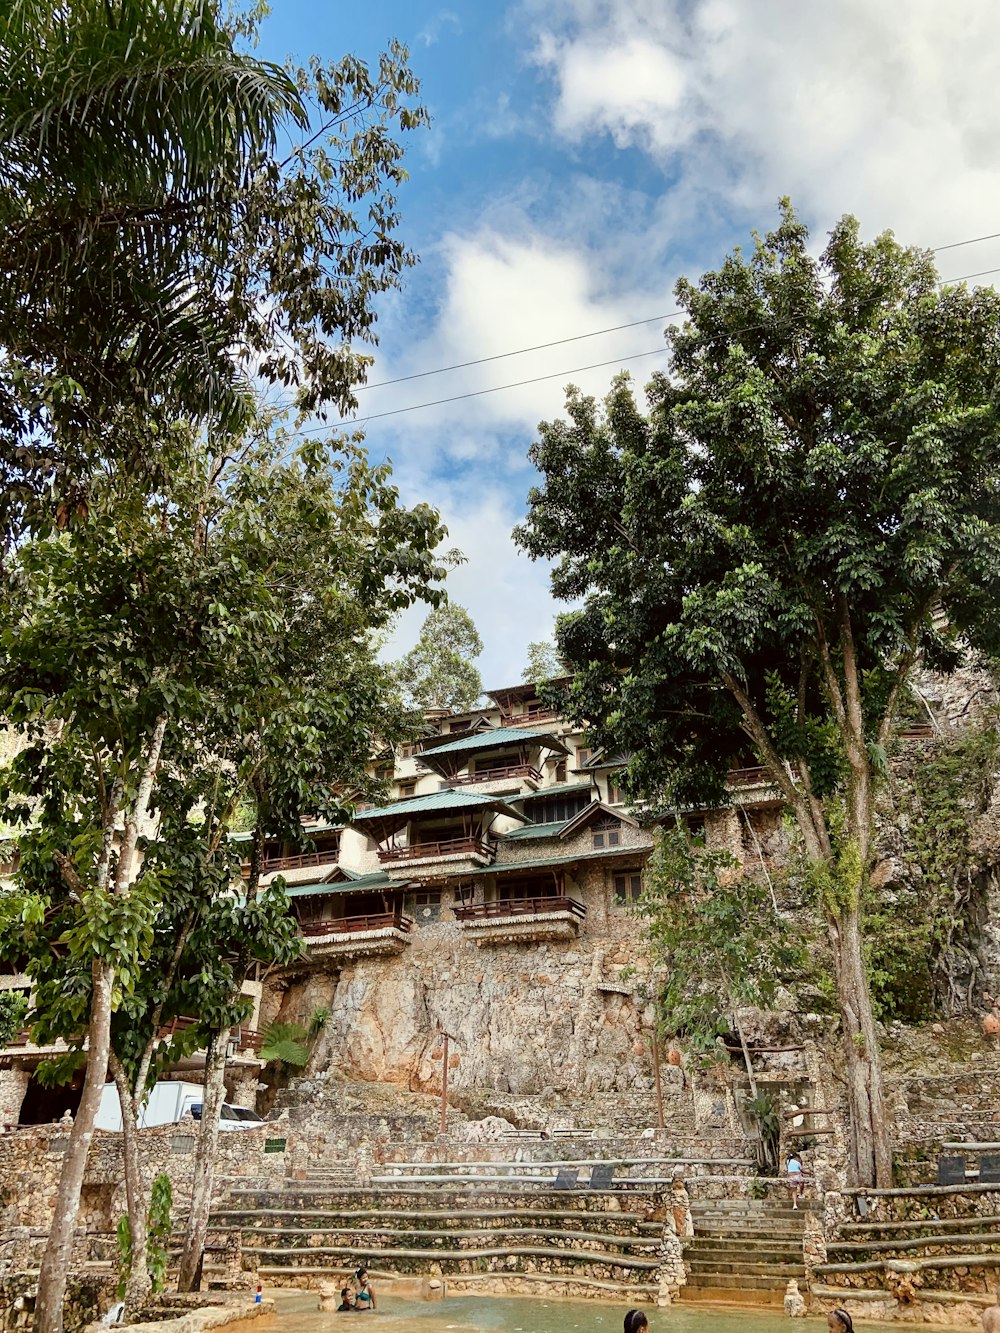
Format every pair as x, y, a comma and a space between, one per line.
583, 756
628, 887
558, 810
427, 898
514, 890
606, 833
407, 787
614, 792
610, 837
560, 770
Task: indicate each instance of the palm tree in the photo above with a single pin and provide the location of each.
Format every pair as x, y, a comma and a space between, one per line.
126, 131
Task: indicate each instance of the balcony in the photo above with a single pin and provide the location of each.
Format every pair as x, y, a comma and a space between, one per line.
757, 776
476, 849
272, 864
357, 936
506, 773
509, 921
534, 713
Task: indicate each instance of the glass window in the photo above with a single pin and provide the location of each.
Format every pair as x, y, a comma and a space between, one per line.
628, 887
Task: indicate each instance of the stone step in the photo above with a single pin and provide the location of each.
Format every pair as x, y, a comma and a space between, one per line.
739, 1298
722, 1248
739, 1282
783, 1234
315, 1218
360, 1238
286, 1257
777, 1270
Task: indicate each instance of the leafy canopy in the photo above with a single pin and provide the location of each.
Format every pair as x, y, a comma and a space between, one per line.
819, 466
438, 671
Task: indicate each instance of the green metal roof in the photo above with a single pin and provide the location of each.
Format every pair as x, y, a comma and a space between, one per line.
564, 789
377, 880
308, 829
435, 802
495, 739
535, 831
545, 862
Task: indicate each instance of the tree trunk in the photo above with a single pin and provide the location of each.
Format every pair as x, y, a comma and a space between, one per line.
188, 1278
870, 1161
139, 1284
59, 1247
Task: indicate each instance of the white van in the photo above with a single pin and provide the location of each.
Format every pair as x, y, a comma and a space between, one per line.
170, 1103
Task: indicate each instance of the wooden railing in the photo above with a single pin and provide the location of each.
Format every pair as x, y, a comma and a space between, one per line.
917, 731
347, 925
519, 907
503, 774
294, 862
537, 713
748, 777
427, 850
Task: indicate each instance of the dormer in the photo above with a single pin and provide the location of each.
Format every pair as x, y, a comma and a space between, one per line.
505, 757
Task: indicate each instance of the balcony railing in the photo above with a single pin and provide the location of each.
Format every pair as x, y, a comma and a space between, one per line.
347, 925
519, 907
748, 777
503, 774
272, 863
427, 851
537, 713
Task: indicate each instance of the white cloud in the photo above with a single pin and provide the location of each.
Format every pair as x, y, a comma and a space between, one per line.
866, 106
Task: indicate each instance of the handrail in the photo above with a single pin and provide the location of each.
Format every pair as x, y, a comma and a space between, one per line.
496, 775
520, 907
347, 925
748, 777
450, 847
293, 862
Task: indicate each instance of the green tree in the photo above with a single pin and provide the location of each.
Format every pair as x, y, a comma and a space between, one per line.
163, 638
543, 662
722, 943
763, 558
155, 248
438, 671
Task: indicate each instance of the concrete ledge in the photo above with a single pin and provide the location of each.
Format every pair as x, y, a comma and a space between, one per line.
199, 1319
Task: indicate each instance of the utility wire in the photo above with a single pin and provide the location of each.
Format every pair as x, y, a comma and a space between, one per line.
617, 328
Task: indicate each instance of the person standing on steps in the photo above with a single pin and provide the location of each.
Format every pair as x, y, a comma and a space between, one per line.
794, 1168
636, 1322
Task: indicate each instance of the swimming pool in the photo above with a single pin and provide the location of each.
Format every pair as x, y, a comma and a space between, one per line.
526, 1314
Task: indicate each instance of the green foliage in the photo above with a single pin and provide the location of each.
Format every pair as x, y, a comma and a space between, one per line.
766, 1116
923, 930
438, 672
724, 541
158, 1242
543, 662
13, 1010
285, 1044
714, 930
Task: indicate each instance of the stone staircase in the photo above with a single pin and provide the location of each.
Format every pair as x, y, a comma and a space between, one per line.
745, 1249
306, 1230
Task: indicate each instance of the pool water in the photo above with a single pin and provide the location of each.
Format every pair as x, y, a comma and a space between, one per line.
297, 1313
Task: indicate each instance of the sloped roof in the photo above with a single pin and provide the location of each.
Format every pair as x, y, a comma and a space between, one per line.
434, 802
589, 811
563, 789
543, 863
534, 831
494, 739
356, 883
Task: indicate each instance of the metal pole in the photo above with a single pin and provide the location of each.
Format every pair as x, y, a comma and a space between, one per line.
656, 1076
444, 1087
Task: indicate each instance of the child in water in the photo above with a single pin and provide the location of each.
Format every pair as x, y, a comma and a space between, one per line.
636, 1322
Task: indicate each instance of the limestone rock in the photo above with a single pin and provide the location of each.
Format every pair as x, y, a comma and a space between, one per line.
795, 1306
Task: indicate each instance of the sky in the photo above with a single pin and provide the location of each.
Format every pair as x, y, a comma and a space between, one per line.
582, 156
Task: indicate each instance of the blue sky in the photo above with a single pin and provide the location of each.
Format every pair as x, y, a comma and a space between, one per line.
584, 154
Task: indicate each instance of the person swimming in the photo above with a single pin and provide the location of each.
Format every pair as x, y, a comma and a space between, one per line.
636, 1322
347, 1301
839, 1321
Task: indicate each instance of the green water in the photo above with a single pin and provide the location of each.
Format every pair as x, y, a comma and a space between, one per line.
297, 1313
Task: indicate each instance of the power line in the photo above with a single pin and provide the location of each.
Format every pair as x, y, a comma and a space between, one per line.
538, 347
617, 328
